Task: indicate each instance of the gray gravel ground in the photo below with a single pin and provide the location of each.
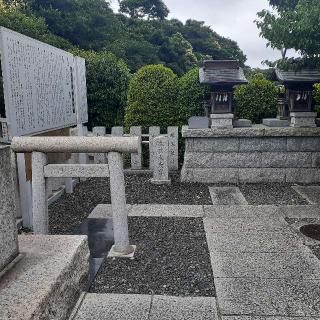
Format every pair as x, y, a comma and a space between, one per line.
67, 213
70, 210
271, 194
172, 258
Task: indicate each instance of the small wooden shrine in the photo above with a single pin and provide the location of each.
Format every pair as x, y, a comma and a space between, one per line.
222, 76
298, 89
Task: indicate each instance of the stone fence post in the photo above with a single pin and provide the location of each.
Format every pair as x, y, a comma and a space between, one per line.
136, 160
153, 132
161, 165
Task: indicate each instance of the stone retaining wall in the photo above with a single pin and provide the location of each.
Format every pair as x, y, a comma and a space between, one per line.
252, 155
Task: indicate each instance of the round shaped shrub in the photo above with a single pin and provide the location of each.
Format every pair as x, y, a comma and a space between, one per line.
152, 98
191, 97
256, 100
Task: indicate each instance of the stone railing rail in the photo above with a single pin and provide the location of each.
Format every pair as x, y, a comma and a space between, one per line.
41, 171
75, 144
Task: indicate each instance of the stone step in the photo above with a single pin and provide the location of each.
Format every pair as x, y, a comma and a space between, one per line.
145, 307
47, 280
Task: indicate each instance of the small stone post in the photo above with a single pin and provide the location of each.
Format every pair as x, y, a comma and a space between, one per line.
117, 131
161, 169
173, 135
136, 163
39, 194
82, 131
119, 207
153, 132
99, 158
68, 183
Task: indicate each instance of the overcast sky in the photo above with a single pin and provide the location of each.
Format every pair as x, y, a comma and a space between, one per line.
230, 18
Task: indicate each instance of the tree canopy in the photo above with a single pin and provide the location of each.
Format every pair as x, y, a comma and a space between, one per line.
140, 34
117, 44
151, 9
294, 25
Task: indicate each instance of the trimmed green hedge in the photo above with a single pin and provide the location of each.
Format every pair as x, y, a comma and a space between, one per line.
152, 97
256, 100
157, 97
190, 97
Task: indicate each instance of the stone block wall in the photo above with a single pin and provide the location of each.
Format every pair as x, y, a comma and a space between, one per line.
252, 155
8, 231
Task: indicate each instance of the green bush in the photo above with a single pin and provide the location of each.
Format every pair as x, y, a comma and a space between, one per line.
152, 98
190, 97
256, 100
107, 84
316, 95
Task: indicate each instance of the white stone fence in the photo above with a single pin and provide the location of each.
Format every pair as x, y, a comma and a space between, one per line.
41, 172
146, 139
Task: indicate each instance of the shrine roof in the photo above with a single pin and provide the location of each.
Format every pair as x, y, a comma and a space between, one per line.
221, 72
309, 76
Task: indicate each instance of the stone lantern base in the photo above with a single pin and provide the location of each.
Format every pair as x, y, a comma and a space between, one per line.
222, 120
303, 119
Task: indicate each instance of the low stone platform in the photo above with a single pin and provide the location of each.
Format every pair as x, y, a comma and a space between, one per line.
47, 281
252, 155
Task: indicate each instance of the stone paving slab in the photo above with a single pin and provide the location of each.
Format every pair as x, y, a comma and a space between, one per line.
310, 193
114, 307
238, 225
301, 264
160, 210
227, 196
253, 242
267, 297
241, 211
310, 211
151, 210
183, 308
266, 318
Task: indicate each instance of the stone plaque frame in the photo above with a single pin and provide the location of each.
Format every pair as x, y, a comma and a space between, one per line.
44, 87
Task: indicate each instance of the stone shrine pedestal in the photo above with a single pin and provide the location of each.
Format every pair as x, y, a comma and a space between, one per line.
222, 120
303, 119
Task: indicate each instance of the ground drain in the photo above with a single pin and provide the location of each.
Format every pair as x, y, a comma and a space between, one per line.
311, 231
100, 238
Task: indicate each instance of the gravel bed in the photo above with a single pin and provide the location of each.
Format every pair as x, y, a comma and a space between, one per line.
67, 213
172, 258
271, 194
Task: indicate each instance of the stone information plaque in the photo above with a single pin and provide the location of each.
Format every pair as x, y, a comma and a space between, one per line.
39, 85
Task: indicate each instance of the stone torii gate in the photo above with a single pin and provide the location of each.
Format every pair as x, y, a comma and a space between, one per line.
41, 171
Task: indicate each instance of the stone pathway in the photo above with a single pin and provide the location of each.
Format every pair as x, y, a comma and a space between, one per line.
260, 265
310, 193
262, 268
146, 307
227, 196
